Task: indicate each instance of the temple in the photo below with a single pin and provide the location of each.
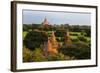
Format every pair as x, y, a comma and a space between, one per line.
45, 22
67, 38
52, 45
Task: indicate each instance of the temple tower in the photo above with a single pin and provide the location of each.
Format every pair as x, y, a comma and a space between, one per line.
51, 47
45, 22
67, 38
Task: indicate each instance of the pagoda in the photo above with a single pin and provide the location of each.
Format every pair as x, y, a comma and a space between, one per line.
52, 45
45, 22
67, 38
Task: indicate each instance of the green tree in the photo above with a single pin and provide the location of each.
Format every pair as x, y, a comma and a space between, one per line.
27, 55
38, 55
60, 33
34, 39
80, 50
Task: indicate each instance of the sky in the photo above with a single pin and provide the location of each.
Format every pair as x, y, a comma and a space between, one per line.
53, 17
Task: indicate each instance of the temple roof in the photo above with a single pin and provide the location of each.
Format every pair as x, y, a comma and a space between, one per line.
45, 22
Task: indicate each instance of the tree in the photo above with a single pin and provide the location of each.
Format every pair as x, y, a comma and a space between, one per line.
27, 55
27, 27
60, 33
34, 39
80, 50
38, 55
88, 32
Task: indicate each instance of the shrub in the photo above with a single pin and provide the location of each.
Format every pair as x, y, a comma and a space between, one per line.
80, 50
70, 51
57, 57
27, 55
85, 53
38, 55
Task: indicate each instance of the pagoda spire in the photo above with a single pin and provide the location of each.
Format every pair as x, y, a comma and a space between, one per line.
45, 22
67, 38
53, 40
52, 44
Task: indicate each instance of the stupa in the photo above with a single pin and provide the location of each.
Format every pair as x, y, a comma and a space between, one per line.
52, 45
45, 22
67, 38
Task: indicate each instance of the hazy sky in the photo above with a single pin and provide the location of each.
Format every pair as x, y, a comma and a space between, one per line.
31, 16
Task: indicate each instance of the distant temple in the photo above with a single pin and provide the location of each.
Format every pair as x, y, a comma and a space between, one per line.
67, 38
52, 45
45, 22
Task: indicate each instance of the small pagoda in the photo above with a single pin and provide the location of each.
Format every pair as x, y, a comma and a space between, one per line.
67, 38
51, 47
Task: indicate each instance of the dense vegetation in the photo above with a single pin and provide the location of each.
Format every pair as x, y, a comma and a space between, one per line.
35, 35
35, 39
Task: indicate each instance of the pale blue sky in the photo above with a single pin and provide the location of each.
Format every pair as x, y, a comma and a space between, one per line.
32, 16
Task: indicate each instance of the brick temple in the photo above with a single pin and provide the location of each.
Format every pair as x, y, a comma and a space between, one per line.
45, 22
51, 46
